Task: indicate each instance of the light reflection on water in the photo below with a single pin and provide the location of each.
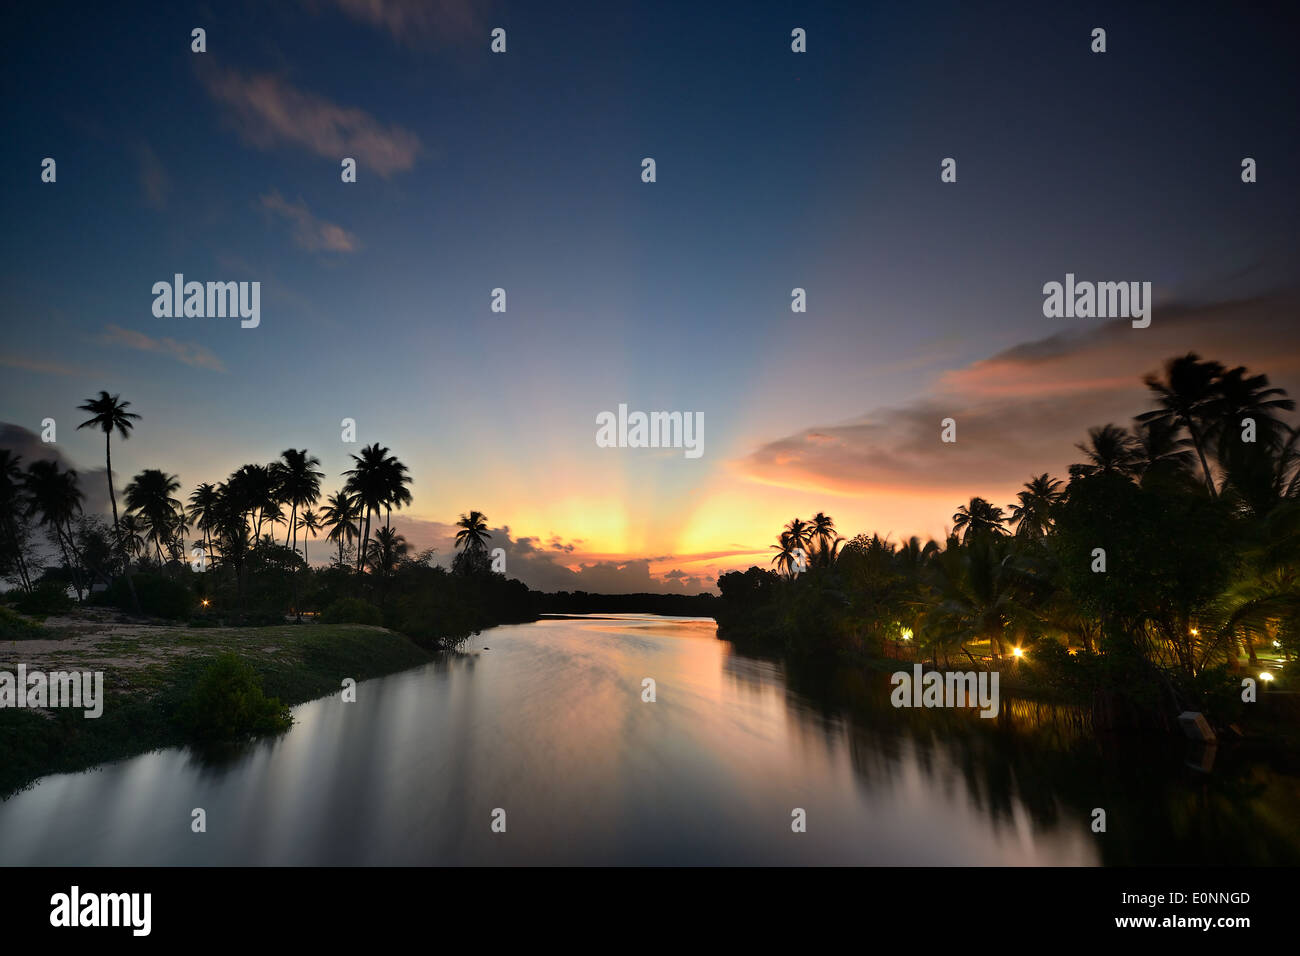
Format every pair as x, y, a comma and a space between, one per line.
549, 725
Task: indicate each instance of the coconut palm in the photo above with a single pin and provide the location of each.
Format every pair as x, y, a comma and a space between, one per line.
800, 533
1032, 516
824, 537
151, 495
11, 506
55, 496
978, 518
109, 413
1110, 451
473, 534
299, 485
785, 558
377, 481
134, 529
1189, 398
310, 523
1242, 396
1157, 449
203, 509
340, 516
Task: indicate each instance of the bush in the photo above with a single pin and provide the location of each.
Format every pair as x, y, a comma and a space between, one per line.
15, 627
159, 596
227, 704
351, 611
48, 597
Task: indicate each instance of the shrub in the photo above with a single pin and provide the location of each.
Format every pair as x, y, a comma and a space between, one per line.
15, 627
227, 704
351, 611
159, 596
48, 597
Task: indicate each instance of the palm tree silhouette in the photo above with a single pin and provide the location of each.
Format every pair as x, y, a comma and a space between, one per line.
978, 518
473, 534
1032, 517
150, 494
203, 509
1189, 398
109, 412
785, 558
370, 483
1110, 450
299, 484
11, 498
56, 497
339, 515
310, 522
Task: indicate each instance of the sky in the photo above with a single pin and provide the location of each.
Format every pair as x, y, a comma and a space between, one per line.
522, 170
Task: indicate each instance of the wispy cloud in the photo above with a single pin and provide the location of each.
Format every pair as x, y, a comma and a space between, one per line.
200, 356
154, 180
37, 365
268, 112
309, 232
1022, 411
414, 22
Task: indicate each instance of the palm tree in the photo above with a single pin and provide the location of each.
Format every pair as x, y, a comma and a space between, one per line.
299, 484
824, 536
203, 509
1249, 396
1110, 450
1032, 517
56, 497
133, 532
800, 536
371, 482
150, 494
978, 518
473, 534
784, 558
340, 516
109, 412
311, 524
11, 500
1188, 397
1157, 449
396, 495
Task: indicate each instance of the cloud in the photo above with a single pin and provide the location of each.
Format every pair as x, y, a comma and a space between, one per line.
154, 181
200, 356
557, 565
28, 446
309, 232
37, 365
267, 112
414, 22
1020, 412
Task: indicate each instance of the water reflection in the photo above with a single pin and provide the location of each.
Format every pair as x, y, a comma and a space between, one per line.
549, 725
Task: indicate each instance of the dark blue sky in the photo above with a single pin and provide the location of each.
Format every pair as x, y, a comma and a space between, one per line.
522, 170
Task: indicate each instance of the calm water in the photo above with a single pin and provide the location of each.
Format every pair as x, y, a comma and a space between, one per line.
548, 724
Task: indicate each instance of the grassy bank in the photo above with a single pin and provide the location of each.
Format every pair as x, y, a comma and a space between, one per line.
149, 671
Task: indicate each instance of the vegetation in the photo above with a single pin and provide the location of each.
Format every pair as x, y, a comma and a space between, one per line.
1140, 585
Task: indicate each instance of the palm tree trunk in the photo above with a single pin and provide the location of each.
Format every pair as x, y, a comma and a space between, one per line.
117, 533
1200, 451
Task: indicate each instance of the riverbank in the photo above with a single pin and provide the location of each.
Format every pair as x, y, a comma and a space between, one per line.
150, 669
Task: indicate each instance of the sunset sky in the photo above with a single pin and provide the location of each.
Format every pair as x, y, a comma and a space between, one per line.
523, 171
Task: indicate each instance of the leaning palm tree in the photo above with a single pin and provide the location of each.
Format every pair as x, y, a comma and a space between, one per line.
785, 558
340, 516
109, 412
55, 496
1032, 516
978, 518
473, 534
1189, 398
151, 495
